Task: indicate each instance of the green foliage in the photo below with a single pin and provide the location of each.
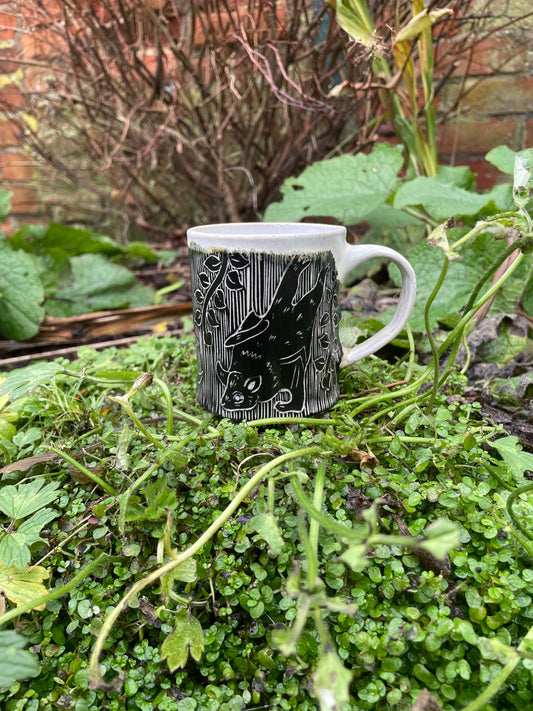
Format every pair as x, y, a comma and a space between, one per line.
21, 294
354, 596
58, 270
26, 501
347, 188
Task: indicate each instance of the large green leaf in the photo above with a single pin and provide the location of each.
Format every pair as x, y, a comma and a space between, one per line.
20, 381
74, 241
460, 280
503, 158
98, 284
347, 188
21, 294
15, 662
443, 200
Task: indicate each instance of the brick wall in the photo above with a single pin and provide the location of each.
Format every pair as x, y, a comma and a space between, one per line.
497, 107
497, 103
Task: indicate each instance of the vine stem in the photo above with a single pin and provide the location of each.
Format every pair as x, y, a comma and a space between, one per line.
496, 684
84, 470
95, 678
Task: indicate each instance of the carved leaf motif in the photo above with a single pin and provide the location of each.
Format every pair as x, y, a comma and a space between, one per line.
324, 340
239, 261
208, 338
199, 295
219, 299
234, 281
203, 279
320, 362
324, 320
212, 319
212, 263
198, 317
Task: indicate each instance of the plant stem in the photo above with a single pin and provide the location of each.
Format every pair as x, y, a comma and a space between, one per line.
84, 470
136, 421
95, 678
497, 683
314, 526
169, 404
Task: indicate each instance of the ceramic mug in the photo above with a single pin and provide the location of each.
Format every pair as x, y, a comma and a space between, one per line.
266, 315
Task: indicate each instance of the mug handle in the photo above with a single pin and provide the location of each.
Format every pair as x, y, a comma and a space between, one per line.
352, 257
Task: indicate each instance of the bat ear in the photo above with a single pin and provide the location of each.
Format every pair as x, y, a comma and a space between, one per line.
222, 374
251, 327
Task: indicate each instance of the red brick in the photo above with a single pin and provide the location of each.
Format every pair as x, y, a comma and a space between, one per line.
36, 80
11, 97
7, 66
17, 167
9, 134
495, 54
8, 23
465, 135
24, 201
528, 140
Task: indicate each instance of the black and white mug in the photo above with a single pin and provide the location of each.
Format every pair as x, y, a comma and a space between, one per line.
266, 315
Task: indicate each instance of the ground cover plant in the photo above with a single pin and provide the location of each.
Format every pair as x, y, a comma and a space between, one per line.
375, 557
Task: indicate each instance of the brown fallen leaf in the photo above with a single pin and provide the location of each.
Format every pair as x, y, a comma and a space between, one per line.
22, 465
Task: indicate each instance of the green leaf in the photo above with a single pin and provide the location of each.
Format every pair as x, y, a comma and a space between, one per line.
5, 204
21, 586
14, 551
16, 663
96, 285
186, 638
444, 200
74, 241
503, 158
347, 188
22, 500
331, 682
21, 295
441, 537
511, 452
355, 556
19, 382
267, 528
461, 278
